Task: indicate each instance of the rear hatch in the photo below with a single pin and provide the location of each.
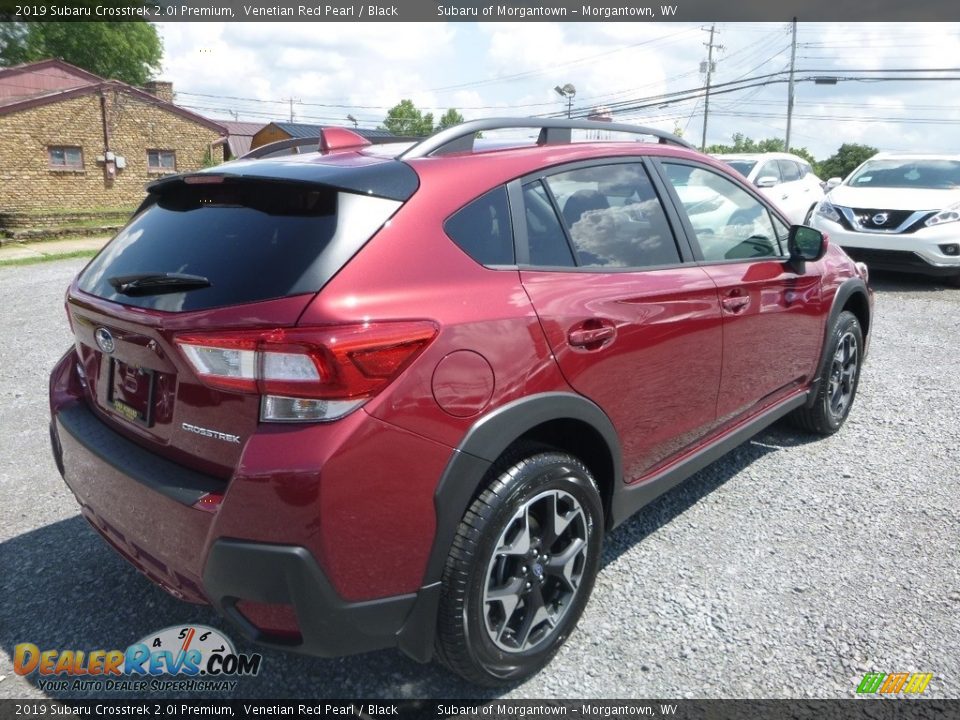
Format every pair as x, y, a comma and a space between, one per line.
210, 254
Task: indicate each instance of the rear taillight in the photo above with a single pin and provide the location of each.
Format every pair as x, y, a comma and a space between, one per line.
307, 374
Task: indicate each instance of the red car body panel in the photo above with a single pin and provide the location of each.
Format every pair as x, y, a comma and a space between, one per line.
773, 322
658, 377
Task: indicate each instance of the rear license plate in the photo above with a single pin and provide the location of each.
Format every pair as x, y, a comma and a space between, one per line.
131, 392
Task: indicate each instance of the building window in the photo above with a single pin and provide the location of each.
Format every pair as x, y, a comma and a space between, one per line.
161, 161
65, 158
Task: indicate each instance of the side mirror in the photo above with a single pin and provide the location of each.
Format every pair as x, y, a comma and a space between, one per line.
831, 183
766, 181
806, 244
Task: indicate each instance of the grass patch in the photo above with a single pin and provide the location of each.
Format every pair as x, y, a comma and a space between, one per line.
12, 262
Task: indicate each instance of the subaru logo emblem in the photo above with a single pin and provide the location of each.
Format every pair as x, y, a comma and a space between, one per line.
879, 218
105, 340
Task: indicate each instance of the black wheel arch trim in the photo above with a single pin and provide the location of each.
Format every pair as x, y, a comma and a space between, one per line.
483, 443
848, 288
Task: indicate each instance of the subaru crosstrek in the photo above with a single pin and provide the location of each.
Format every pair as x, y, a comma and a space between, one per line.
394, 397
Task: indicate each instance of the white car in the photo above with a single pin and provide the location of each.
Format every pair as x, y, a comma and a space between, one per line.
898, 212
787, 180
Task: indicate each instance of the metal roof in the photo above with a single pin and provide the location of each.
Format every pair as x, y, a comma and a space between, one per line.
301, 130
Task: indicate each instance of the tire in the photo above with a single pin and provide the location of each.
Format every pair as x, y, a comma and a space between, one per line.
954, 281
492, 579
835, 396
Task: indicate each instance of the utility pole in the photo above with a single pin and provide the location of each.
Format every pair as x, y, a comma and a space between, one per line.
793, 60
708, 66
292, 100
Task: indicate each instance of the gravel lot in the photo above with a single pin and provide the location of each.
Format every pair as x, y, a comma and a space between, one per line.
787, 569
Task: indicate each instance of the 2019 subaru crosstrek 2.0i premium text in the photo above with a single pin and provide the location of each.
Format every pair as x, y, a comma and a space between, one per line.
377, 397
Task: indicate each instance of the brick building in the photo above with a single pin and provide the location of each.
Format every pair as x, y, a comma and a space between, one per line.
72, 140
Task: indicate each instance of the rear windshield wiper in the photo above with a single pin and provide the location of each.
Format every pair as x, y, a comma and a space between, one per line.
157, 283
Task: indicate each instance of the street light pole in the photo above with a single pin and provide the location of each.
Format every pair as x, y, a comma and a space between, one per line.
568, 91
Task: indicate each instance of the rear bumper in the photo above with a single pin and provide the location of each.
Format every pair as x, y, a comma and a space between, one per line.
143, 506
139, 503
287, 575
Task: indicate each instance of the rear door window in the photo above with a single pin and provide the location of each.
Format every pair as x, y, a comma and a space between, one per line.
252, 240
545, 237
614, 217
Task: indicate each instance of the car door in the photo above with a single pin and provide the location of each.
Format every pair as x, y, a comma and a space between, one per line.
634, 323
777, 193
772, 317
795, 193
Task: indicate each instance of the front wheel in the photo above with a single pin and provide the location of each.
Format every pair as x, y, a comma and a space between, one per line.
838, 386
521, 568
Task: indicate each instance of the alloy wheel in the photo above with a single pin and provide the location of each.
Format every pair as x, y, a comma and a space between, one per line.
535, 571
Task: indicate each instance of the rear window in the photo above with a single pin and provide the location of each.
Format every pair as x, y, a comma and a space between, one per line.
252, 241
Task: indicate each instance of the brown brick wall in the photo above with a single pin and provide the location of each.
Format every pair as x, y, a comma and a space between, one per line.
27, 182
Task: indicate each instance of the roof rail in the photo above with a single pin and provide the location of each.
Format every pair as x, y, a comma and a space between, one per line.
553, 131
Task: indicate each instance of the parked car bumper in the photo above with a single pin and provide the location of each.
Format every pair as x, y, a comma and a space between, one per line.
930, 251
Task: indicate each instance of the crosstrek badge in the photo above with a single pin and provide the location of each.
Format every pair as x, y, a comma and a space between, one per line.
215, 434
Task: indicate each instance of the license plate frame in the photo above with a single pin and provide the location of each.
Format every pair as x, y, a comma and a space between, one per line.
134, 404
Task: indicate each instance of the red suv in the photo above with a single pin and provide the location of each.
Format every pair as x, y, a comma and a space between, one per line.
375, 397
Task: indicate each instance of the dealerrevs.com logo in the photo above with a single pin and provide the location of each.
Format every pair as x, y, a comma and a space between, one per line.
178, 658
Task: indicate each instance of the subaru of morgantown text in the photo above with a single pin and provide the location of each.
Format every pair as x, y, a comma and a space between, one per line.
394, 396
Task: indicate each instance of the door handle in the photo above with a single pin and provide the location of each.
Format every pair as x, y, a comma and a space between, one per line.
591, 335
735, 303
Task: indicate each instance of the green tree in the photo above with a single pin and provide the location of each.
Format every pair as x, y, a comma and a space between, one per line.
845, 160
405, 119
127, 51
450, 118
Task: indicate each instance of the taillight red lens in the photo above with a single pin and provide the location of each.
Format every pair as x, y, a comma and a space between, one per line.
331, 362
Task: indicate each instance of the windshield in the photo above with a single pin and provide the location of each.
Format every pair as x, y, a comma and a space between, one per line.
741, 166
919, 174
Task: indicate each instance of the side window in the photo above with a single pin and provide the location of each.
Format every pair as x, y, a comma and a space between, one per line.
161, 161
548, 245
614, 217
62, 157
789, 170
770, 169
730, 224
482, 229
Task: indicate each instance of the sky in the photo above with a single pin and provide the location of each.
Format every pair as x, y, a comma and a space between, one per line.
496, 69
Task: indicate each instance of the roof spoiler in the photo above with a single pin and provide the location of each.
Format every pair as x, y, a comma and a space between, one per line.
331, 139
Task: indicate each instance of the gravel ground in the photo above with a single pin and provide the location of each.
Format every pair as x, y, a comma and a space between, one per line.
787, 569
